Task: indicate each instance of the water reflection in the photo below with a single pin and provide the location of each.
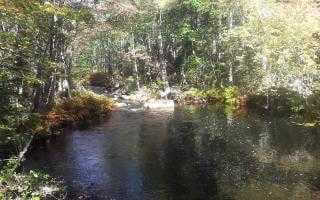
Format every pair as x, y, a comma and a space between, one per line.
191, 154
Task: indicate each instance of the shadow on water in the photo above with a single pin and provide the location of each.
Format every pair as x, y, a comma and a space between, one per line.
192, 153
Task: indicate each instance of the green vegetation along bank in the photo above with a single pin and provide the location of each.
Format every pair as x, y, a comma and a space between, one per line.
259, 53
81, 110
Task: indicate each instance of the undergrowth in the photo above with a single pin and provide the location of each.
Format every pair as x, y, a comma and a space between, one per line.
82, 107
99, 79
33, 185
228, 95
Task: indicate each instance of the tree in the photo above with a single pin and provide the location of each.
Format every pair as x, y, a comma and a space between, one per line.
35, 54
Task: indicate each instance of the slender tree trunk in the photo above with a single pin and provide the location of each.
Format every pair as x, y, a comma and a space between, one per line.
149, 43
183, 75
3, 27
163, 66
52, 91
265, 66
136, 72
38, 91
230, 52
66, 80
135, 67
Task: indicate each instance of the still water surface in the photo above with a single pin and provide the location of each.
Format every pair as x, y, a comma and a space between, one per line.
192, 153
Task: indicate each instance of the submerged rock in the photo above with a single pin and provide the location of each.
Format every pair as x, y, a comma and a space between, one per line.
121, 104
159, 104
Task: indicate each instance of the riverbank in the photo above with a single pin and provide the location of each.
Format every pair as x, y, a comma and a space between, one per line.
83, 109
272, 101
95, 103
138, 154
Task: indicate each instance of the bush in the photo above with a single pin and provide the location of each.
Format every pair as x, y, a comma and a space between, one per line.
99, 79
130, 85
82, 107
231, 95
194, 95
278, 100
214, 96
32, 185
227, 95
313, 106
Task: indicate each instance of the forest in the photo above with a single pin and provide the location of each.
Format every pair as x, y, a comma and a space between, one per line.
263, 55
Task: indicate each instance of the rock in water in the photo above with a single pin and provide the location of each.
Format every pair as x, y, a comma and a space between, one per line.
159, 104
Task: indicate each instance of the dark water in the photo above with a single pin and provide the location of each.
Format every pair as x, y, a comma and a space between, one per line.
189, 154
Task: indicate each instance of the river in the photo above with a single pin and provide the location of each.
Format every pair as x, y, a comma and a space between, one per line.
191, 153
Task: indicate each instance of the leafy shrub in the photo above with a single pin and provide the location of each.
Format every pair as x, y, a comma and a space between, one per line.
130, 85
231, 95
155, 88
99, 79
282, 99
194, 95
82, 107
313, 106
33, 123
279, 100
214, 96
32, 185
228, 95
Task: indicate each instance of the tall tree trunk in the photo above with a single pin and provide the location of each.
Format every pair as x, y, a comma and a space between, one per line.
136, 72
135, 67
38, 92
52, 91
50, 88
231, 74
265, 65
231, 82
68, 69
163, 67
183, 75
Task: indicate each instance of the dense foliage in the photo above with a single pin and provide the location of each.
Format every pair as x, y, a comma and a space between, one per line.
35, 56
257, 46
32, 185
35, 69
250, 44
264, 52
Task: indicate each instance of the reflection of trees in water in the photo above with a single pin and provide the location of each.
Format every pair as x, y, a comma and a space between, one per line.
152, 137
192, 155
288, 147
245, 155
188, 173
263, 151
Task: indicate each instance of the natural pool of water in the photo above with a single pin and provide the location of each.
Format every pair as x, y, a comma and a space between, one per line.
191, 153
